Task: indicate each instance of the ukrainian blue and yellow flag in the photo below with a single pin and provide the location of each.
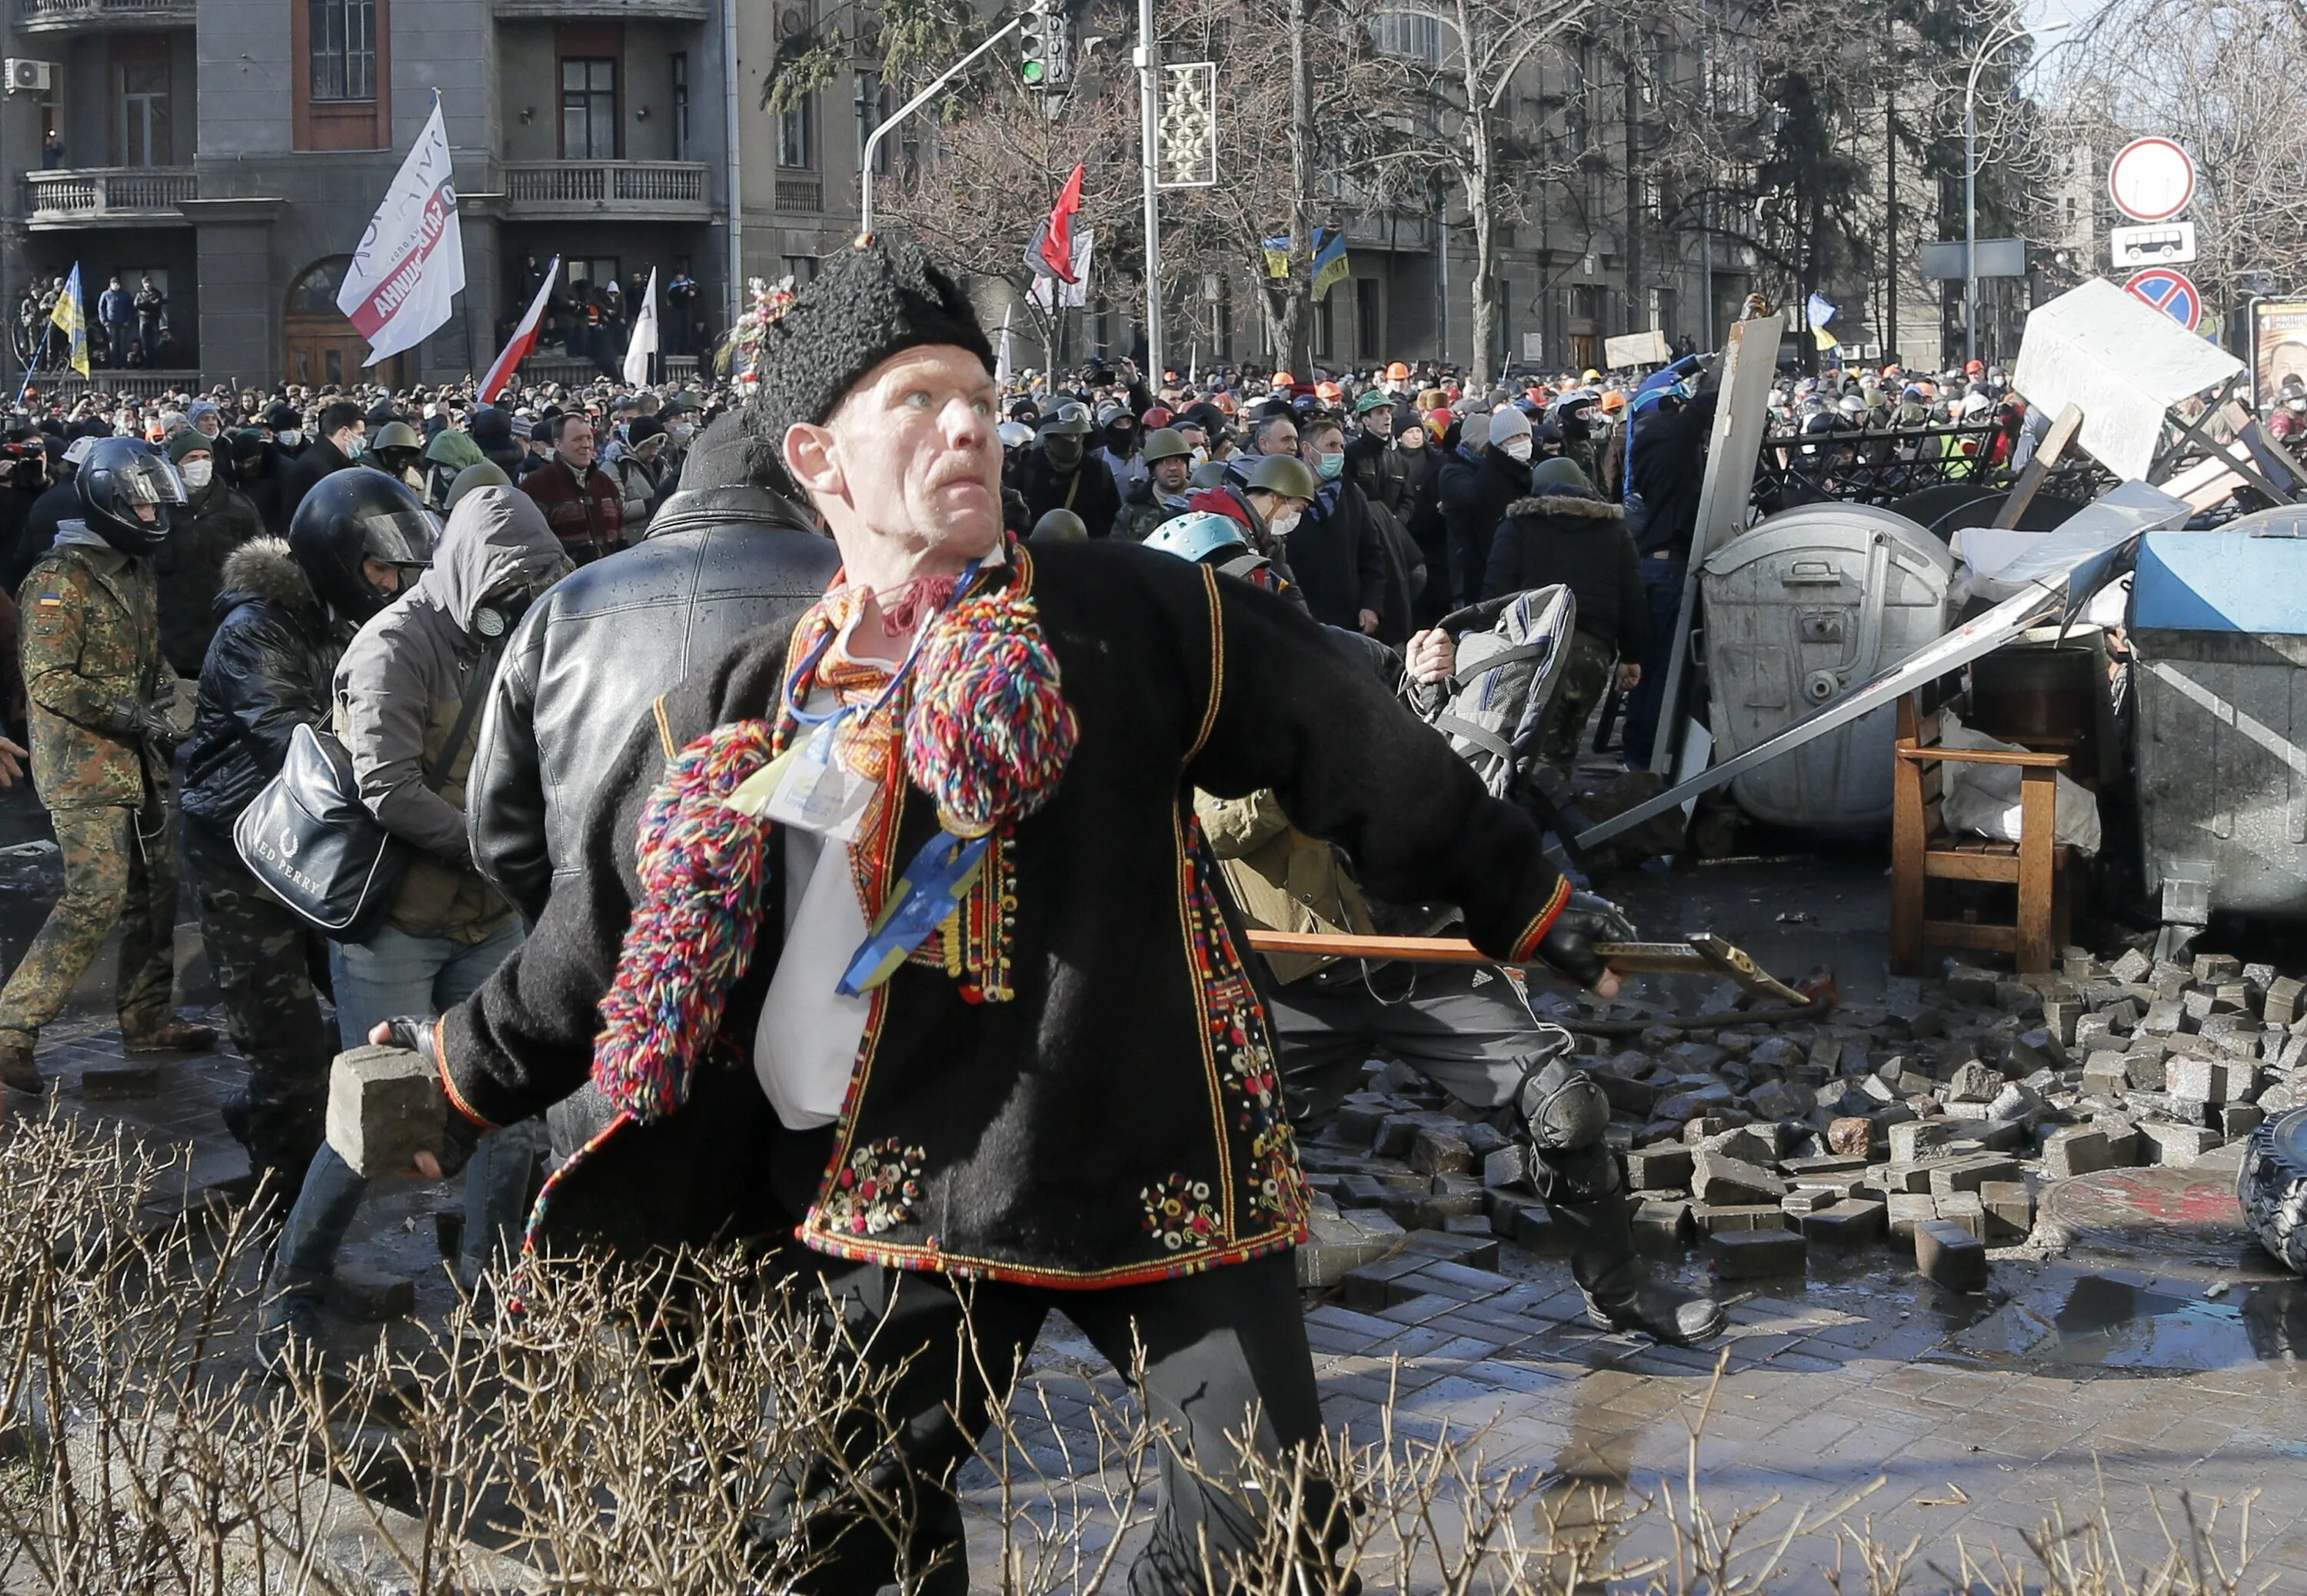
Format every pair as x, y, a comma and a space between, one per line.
1329, 260
1277, 255
71, 316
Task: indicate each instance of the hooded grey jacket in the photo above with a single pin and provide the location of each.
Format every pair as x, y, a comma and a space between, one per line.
401, 685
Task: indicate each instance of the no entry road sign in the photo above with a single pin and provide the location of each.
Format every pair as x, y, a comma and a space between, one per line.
2150, 180
2170, 291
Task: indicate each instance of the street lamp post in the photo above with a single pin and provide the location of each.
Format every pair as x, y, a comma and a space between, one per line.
2012, 33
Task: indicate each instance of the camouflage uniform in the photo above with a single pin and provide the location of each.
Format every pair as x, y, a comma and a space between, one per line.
262, 958
91, 655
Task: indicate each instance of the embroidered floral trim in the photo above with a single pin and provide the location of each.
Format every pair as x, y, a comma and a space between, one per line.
1178, 1215
876, 1189
1277, 1186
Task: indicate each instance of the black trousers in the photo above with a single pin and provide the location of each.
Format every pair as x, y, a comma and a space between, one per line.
1218, 1348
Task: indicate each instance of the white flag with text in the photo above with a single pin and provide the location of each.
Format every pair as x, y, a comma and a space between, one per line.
644, 344
410, 264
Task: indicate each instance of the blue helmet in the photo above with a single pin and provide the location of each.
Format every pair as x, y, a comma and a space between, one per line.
1197, 535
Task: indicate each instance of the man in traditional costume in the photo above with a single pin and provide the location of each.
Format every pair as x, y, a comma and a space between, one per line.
894, 933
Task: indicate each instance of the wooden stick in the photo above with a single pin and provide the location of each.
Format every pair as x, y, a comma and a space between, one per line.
2063, 428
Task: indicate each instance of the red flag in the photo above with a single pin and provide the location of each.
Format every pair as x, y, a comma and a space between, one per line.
1056, 240
523, 340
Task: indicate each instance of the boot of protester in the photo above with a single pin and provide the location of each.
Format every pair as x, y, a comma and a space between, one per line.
18, 1073
175, 1035
289, 1332
1584, 1186
1621, 1292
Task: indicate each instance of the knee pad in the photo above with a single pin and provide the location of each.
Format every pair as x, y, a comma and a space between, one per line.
1563, 1108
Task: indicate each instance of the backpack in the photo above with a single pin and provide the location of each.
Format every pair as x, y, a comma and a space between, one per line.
1510, 653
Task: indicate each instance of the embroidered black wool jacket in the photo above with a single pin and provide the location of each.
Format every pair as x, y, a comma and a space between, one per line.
1117, 1117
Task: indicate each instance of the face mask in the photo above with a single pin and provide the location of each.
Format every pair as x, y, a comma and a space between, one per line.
683, 431
1330, 466
357, 447
1064, 452
1516, 448
1201, 455
292, 437
1282, 527
196, 473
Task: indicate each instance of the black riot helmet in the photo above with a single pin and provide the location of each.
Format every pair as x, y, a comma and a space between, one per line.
127, 489
354, 515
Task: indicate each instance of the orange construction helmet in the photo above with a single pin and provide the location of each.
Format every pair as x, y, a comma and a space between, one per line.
1282, 380
1329, 391
1397, 372
1613, 400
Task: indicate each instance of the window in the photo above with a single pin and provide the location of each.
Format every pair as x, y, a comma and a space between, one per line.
1325, 327
801, 268
588, 108
343, 50
1369, 319
140, 97
679, 62
586, 273
796, 150
874, 104
1413, 36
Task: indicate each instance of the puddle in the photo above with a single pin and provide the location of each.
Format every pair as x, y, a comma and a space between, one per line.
2097, 1321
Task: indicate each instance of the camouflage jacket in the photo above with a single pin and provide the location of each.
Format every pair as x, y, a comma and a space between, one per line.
92, 653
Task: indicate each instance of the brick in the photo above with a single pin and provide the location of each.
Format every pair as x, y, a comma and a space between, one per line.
1905, 1210
1472, 1252
1436, 1151
1357, 1124
1852, 1135
1534, 1228
2104, 1074
2009, 1210
2073, 1150
2237, 1120
1717, 1180
2283, 1005
364, 1293
1966, 984
2147, 1069
1717, 1218
1951, 1257
1853, 1222
2177, 1146
1336, 1246
1754, 1254
2133, 966
1659, 1169
2201, 1080
1969, 1175
2162, 1017
1663, 1224
1964, 1209
2214, 968
2059, 1016
385, 1106
1508, 1167
1916, 1140
2092, 1033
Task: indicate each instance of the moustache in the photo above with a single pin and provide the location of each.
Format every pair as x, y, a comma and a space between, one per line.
953, 470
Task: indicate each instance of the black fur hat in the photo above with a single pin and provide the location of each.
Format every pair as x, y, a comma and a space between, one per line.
871, 302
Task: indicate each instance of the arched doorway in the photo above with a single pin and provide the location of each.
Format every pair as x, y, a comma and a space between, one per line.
318, 343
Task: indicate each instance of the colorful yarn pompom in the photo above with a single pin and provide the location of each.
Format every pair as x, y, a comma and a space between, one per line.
702, 867
989, 734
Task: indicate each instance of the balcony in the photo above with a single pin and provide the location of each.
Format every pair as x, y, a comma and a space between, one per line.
603, 11
60, 16
801, 194
108, 196
607, 191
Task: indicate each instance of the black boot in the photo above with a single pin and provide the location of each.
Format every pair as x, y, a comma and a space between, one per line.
1620, 1292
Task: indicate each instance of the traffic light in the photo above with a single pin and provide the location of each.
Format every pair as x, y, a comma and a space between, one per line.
1047, 56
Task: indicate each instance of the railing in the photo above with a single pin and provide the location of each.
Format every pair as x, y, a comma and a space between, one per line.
564, 10
801, 194
632, 186
144, 384
108, 190
68, 13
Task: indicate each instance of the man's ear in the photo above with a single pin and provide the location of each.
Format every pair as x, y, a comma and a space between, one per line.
813, 460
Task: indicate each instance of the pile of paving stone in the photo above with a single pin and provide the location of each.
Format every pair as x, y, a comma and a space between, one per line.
1930, 1120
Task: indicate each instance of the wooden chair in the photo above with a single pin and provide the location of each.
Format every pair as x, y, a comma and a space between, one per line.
1923, 850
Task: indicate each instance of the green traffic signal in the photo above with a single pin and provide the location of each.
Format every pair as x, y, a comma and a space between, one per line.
1033, 71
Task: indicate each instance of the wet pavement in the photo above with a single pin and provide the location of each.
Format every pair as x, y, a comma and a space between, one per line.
2153, 1349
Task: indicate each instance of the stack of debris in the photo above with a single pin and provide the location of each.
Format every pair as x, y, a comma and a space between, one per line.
1932, 1119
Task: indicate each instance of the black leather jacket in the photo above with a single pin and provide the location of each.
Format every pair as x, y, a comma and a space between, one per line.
597, 649
267, 672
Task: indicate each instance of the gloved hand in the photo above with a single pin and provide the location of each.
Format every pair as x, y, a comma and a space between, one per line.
415, 1032
158, 727
1568, 944
122, 718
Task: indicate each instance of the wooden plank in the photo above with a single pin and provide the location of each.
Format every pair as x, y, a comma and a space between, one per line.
1962, 934
1986, 756
1971, 866
2044, 460
1909, 836
2038, 793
